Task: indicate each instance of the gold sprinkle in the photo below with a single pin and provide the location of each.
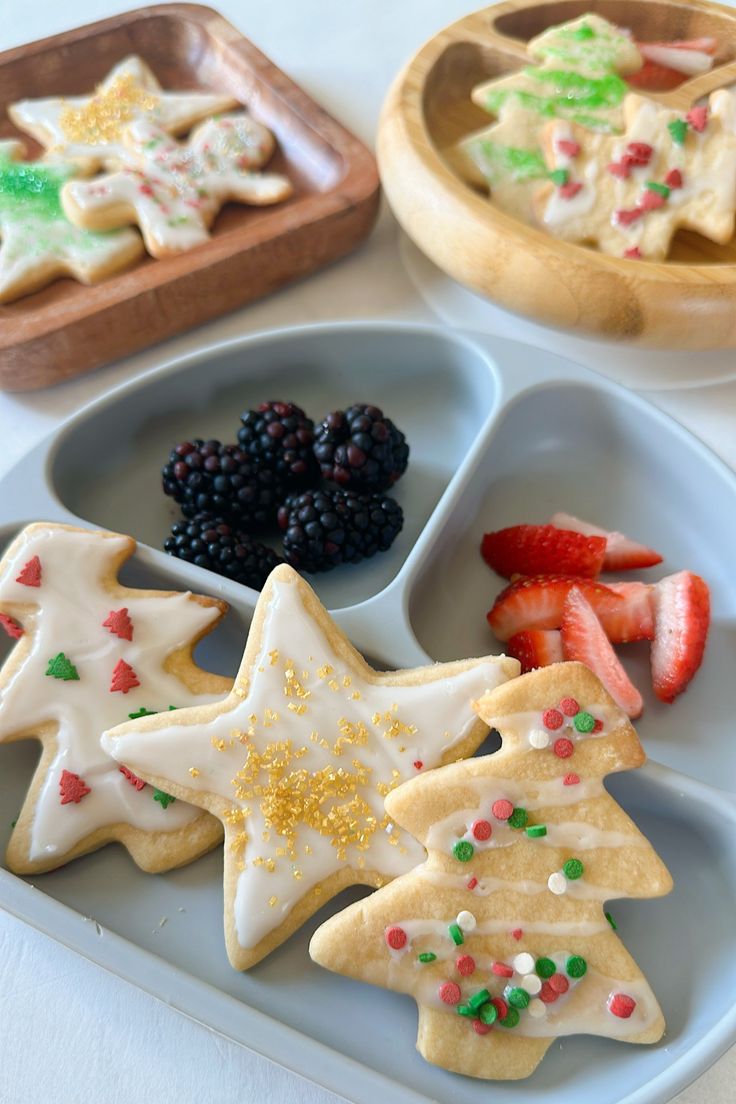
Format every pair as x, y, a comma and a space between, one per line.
273, 655
253, 719
194, 772
218, 745
376, 719
239, 692
307, 849
333, 685
324, 671
273, 901
318, 891
356, 695
298, 709
346, 680
297, 874
101, 119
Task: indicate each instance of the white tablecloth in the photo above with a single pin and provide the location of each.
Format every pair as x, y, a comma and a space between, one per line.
72, 1034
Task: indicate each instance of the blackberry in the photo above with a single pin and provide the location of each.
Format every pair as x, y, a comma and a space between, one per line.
360, 449
325, 528
279, 436
220, 480
213, 543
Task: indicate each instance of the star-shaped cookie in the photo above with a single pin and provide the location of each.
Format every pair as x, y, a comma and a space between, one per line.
90, 127
39, 244
89, 654
298, 759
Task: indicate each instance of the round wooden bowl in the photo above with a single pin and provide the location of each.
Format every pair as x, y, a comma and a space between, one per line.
687, 302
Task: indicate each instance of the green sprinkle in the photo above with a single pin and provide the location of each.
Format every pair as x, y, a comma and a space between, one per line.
534, 831
511, 1018
427, 956
678, 131
13, 823
173, 707
517, 997
576, 966
463, 851
584, 722
142, 712
545, 967
660, 189
573, 869
479, 999
559, 177
583, 33
32, 188
488, 1013
163, 799
518, 818
465, 1010
611, 921
456, 934
62, 668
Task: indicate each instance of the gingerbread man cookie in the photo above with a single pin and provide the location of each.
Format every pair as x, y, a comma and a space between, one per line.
173, 191
297, 760
39, 244
91, 127
89, 653
501, 936
630, 195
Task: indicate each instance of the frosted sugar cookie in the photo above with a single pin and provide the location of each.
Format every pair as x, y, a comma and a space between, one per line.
297, 760
501, 936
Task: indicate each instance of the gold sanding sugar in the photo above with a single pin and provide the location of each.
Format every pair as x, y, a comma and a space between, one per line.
102, 118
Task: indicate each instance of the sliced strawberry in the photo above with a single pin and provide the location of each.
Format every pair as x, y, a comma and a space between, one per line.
634, 619
655, 78
543, 550
686, 57
536, 603
535, 648
583, 639
681, 618
622, 553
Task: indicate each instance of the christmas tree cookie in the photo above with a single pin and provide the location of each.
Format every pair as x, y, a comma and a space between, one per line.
90, 127
174, 191
577, 74
89, 653
630, 195
297, 760
38, 244
501, 936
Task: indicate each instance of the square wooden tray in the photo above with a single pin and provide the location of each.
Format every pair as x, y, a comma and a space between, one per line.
66, 328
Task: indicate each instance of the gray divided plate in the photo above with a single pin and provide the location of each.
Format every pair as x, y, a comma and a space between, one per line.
500, 433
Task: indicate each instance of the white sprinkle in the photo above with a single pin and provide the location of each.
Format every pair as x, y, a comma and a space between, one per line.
532, 984
538, 739
389, 828
466, 921
523, 963
536, 1009
557, 882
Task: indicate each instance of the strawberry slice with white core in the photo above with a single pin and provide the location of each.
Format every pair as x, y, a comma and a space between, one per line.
536, 648
681, 606
622, 553
690, 57
634, 619
543, 550
583, 639
536, 603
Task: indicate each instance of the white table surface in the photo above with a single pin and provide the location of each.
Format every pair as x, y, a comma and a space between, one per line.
72, 1034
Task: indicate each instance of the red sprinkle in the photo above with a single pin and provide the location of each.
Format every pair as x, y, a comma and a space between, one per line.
145, 189
418, 764
673, 179
633, 254
547, 993
72, 788
625, 218
501, 1007
571, 189
119, 624
12, 629
698, 120
502, 809
480, 1028
517, 934
31, 573
651, 201
621, 1005
639, 153
132, 778
395, 937
472, 883
500, 969
571, 779
552, 719
465, 965
620, 169
449, 992
570, 149
481, 829
563, 748
598, 726
124, 678
559, 983
569, 707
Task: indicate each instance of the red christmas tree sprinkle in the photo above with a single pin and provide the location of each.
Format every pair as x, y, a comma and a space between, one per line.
124, 678
31, 573
625, 218
418, 764
11, 627
72, 788
568, 148
119, 624
570, 189
698, 118
639, 153
517, 934
619, 169
132, 778
673, 179
571, 779
634, 254
650, 201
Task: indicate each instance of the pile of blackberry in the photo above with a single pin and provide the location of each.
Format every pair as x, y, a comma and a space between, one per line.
322, 487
